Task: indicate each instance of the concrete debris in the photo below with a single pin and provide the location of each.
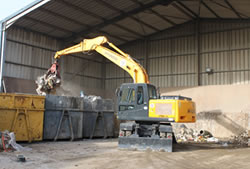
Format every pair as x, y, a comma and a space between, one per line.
8, 142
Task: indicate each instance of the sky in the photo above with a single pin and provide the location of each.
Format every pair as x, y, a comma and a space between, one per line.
8, 7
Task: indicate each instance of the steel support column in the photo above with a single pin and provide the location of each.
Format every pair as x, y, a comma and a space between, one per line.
147, 48
103, 81
2, 51
198, 43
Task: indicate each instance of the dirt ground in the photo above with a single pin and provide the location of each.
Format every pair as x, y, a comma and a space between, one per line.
104, 154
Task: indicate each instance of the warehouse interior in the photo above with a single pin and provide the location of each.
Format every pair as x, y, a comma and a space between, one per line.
194, 48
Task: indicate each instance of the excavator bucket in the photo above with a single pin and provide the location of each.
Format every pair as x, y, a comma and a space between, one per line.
49, 81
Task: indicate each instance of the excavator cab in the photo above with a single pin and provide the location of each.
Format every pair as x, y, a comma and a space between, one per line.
133, 101
140, 102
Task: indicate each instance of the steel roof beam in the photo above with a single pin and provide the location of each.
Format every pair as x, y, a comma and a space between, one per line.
63, 17
94, 16
122, 16
182, 10
114, 36
155, 13
162, 17
77, 8
226, 7
120, 11
188, 9
128, 30
233, 9
210, 9
77, 22
37, 32
146, 24
48, 24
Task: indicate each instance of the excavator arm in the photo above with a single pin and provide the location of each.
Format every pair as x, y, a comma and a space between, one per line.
51, 79
121, 59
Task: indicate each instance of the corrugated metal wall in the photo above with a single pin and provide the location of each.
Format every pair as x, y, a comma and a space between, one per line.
225, 49
83, 71
173, 56
29, 55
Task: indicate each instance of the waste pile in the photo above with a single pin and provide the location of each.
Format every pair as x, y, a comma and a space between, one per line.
184, 134
8, 142
241, 139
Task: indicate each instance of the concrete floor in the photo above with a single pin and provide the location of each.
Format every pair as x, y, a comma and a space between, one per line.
103, 154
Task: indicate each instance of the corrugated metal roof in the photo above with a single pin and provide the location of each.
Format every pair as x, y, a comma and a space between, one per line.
122, 20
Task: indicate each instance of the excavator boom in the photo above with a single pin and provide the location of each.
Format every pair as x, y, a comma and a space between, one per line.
51, 79
118, 57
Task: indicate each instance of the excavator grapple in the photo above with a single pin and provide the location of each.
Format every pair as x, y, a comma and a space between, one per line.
49, 81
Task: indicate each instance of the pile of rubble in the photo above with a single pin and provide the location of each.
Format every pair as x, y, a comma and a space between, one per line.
242, 139
185, 134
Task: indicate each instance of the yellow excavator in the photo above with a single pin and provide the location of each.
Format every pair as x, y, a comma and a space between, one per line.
148, 115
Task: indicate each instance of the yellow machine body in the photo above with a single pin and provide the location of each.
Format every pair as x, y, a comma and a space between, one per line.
179, 111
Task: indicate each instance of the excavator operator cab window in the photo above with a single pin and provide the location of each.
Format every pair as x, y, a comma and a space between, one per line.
127, 96
152, 92
140, 95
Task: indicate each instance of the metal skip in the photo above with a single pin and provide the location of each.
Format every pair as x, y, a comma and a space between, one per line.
76, 118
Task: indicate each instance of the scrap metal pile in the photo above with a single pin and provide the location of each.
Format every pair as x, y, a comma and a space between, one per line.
185, 134
49, 81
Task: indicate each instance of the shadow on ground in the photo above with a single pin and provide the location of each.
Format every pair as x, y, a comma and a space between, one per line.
185, 147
